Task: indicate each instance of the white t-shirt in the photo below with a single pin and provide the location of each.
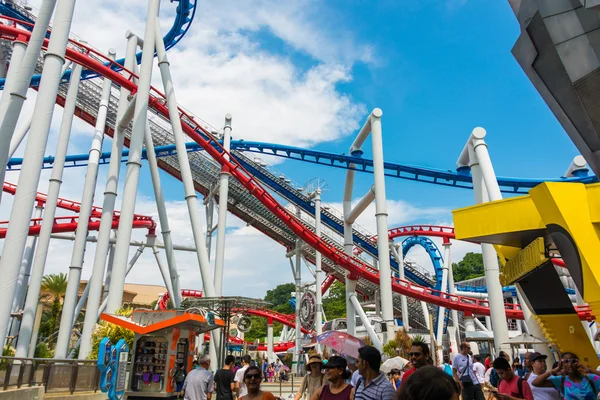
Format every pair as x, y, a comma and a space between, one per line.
239, 377
462, 365
479, 370
542, 393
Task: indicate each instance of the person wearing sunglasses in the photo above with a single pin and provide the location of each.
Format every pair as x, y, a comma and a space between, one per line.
252, 380
418, 357
574, 381
464, 375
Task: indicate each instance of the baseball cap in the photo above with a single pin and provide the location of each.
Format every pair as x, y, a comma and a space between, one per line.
536, 356
336, 362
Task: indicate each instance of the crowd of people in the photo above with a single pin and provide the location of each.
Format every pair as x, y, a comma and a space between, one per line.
466, 377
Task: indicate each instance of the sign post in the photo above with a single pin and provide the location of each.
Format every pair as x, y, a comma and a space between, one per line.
112, 362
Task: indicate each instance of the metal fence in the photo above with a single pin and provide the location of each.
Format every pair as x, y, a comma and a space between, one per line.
55, 375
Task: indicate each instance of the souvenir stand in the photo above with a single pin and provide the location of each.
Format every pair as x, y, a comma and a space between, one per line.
163, 340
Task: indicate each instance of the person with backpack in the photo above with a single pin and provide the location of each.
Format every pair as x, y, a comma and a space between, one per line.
446, 367
462, 370
511, 386
576, 382
179, 378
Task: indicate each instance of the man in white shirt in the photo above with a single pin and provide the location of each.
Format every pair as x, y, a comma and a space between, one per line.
462, 369
538, 364
240, 386
479, 369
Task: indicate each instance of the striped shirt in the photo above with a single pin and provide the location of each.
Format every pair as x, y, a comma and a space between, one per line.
378, 389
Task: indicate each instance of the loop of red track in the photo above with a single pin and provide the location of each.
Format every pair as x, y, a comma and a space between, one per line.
216, 151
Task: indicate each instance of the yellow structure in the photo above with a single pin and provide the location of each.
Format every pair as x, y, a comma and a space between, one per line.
554, 217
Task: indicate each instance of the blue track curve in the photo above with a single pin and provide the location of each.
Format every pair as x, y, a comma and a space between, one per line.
432, 250
185, 12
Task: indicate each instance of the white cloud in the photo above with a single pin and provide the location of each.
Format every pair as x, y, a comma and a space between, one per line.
222, 67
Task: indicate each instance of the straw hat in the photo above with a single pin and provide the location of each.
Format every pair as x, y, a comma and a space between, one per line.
315, 358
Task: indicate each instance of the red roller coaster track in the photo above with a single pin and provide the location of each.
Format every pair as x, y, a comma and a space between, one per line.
213, 148
69, 224
65, 204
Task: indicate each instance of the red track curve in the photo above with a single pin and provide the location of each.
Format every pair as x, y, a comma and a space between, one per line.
216, 151
69, 224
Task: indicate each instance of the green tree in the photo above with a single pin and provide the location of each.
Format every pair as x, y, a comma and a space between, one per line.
334, 304
113, 332
53, 288
280, 298
471, 266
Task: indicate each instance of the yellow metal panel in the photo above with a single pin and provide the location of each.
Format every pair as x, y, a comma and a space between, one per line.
567, 333
593, 195
566, 204
496, 221
528, 259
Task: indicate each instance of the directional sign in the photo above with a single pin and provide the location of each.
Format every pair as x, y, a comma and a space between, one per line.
112, 362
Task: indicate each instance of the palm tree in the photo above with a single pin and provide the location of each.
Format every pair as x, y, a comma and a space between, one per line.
53, 288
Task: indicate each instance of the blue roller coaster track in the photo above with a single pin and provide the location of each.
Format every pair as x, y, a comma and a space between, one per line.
460, 179
184, 15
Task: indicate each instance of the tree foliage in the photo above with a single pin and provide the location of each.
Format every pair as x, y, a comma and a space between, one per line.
112, 331
54, 287
471, 266
279, 297
334, 304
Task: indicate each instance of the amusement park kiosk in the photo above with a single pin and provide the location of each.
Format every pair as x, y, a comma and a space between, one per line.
163, 341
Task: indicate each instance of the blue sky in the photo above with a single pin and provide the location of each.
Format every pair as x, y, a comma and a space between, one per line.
437, 69
307, 73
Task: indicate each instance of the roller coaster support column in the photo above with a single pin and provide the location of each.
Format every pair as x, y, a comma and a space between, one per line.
397, 252
87, 202
270, 351
24, 275
452, 290
298, 279
41, 252
140, 116
350, 311
23, 63
441, 319
18, 227
84, 295
109, 265
366, 323
383, 246
171, 274
123, 118
222, 221
470, 327
316, 197
482, 176
184, 165
22, 130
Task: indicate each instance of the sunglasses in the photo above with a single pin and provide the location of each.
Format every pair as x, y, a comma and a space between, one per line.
415, 354
252, 376
571, 360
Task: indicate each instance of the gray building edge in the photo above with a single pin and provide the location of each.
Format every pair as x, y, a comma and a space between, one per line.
559, 50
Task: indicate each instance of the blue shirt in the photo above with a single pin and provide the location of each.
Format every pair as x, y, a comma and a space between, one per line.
379, 388
577, 391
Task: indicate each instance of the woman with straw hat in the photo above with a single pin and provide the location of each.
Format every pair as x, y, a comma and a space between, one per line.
314, 379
